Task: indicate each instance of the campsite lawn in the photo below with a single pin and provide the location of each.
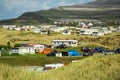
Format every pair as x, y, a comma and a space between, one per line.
35, 60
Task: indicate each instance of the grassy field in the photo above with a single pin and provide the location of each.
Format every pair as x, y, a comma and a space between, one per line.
90, 68
35, 60
15, 37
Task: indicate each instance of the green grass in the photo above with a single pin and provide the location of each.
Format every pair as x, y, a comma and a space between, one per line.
35, 60
91, 68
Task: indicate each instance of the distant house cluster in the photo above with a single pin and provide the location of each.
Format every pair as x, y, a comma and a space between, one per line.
18, 28
82, 28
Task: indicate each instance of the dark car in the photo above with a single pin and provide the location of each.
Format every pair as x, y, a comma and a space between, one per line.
107, 52
87, 51
62, 46
64, 53
99, 50
52, 53
117, 51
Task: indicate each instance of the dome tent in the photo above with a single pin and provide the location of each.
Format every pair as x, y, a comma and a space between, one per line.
74, 53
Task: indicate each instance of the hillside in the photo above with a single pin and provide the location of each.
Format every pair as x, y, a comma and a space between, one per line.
15, 37
91, 68
104, 10
105, 2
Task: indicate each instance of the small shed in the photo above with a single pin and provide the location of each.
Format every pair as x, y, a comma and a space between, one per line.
54, 66
58, 54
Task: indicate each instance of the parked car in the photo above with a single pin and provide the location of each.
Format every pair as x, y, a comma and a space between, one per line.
117, 51
107, 52
87, 51
52, 53
62, 46
99, 50
64, 53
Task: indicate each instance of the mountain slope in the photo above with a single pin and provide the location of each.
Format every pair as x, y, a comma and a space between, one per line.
105, 10
105, 2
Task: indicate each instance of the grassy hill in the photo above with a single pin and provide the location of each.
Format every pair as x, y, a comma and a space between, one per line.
91, 68
106, 2
106, 12
16, 37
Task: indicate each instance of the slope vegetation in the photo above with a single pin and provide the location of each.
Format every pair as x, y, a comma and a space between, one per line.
107, 2
91, 68
105, 10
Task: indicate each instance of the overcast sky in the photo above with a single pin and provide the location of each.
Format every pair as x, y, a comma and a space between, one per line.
14, 8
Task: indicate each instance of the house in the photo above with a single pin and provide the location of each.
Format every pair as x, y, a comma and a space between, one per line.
90, 24
45, 26
23, 50
106, 31
17, 28
82, 24
58, 29
28, 26
44, 31
8, 26
36, 30
87, 31
66, 42
66, 32
100, 33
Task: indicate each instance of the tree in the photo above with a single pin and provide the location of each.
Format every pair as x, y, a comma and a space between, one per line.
8, 45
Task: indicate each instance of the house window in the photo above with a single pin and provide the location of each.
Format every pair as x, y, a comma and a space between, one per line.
70, 43
54, 42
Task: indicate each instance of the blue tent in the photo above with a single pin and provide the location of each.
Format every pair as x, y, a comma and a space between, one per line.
74, 53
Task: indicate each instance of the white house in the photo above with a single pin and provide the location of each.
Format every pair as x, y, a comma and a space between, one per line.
36, 30
58, 29
107, 31
87, 31
28, 26
66, 42
90, 24
18, 28
8, 26
44, 31
23, 50
100, 33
